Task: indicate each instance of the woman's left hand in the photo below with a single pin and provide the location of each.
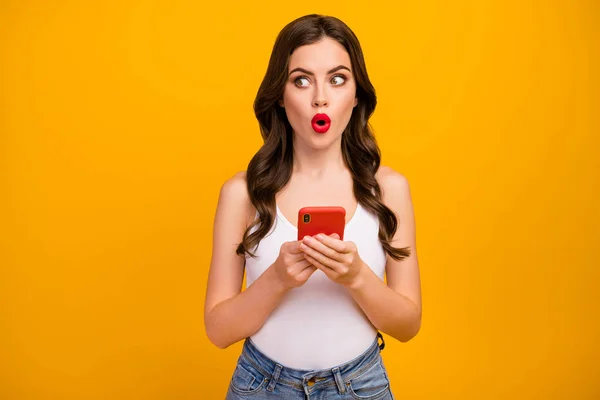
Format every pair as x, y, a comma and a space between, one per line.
339, 260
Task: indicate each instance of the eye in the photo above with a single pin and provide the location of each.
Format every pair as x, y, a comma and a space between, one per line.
299, 81
338, 80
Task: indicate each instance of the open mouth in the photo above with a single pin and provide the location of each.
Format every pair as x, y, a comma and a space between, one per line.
321, 123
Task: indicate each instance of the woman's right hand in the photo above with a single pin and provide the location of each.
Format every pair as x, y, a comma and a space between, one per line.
291, 269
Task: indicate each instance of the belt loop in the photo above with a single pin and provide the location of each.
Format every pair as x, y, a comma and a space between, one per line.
382, 345
338, 380
274, 377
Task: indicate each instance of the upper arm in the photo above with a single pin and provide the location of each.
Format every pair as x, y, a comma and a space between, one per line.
234, 213
402, 276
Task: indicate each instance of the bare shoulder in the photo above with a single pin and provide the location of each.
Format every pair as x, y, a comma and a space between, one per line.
234, 193
236, 187
393, 184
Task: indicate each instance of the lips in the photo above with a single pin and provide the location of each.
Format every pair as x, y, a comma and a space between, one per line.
320, 123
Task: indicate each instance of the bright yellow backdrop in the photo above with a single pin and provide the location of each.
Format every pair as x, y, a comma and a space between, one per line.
119, 121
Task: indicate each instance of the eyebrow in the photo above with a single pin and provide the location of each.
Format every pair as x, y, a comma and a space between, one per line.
331, 71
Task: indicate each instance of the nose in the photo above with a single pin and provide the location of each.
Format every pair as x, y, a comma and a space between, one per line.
320, 99
320, 102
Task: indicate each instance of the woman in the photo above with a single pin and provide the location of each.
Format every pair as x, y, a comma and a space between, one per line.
312, 308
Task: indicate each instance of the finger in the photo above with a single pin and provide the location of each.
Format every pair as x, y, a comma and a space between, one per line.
303, 276
299, 266
294, 247
335, 236
328, 271
334, 243
295, 257
302, 264
319, 257
323, 249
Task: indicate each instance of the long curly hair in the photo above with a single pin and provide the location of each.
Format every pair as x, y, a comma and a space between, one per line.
271, 167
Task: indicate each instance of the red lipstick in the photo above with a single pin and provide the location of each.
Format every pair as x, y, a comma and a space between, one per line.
320, 123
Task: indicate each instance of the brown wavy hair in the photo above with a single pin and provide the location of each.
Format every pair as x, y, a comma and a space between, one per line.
271, 167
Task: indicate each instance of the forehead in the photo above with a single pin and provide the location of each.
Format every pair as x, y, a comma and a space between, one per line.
320, 56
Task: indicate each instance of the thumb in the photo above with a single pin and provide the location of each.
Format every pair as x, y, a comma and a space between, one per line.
306, 273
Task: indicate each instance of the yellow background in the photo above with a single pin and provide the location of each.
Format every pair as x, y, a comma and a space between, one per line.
119, 121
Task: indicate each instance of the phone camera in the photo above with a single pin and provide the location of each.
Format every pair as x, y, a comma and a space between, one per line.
306, 218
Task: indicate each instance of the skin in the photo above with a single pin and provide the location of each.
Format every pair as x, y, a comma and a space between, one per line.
332, 93
319, 178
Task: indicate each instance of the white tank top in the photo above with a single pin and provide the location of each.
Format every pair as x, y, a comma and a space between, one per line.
317, 325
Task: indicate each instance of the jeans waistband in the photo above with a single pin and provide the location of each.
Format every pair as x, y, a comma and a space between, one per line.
299, 378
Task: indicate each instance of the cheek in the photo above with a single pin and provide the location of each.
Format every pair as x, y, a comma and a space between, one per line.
346, 104
295, 105
351, 96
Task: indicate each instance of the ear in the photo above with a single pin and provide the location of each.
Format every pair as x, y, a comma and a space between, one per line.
280, 101
355, 102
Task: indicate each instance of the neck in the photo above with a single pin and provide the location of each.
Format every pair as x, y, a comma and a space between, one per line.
317, 164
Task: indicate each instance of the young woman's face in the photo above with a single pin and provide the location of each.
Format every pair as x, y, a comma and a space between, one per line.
320, 92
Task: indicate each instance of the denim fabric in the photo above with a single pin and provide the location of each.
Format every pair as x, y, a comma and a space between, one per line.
258, 377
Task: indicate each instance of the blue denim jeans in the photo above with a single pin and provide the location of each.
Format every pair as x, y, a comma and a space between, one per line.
258, 377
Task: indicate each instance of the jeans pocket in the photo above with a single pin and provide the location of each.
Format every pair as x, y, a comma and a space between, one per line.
372, 384
246, 379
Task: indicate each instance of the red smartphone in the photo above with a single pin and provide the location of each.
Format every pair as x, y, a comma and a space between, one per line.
326, 220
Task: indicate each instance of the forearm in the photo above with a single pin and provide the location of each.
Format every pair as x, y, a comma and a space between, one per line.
389, 311
244, 314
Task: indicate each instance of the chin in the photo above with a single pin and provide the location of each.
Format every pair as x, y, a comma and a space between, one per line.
318, 140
